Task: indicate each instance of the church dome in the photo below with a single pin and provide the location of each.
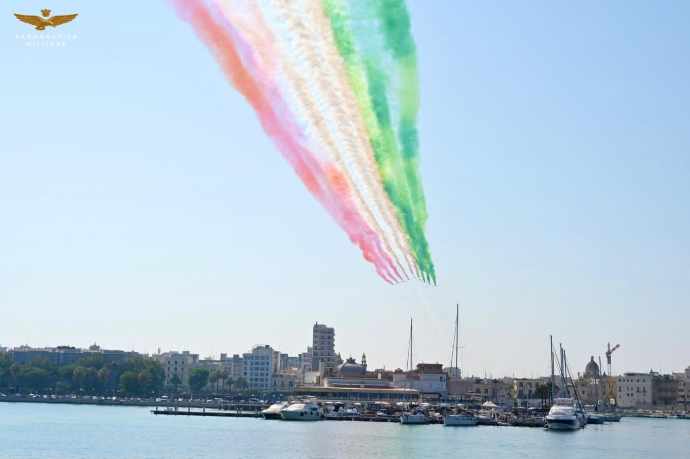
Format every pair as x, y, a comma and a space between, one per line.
351, 369
592, 369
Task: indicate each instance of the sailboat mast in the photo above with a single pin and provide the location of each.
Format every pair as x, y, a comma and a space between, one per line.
457, 341
411, 346
553, 379
562, 368
409, 349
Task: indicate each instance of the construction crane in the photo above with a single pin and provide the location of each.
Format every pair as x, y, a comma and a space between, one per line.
610, 350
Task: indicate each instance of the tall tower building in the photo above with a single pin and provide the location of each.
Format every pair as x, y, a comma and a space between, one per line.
323, 347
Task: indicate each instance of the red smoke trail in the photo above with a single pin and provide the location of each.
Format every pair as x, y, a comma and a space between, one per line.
327, 184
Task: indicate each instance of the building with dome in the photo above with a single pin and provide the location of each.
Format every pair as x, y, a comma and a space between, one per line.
351, 369
591, 385
592, 369
352, 381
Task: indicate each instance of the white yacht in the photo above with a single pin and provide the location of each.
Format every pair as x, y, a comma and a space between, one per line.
460, 420
564, 415
301, 412
414, 418
273, 411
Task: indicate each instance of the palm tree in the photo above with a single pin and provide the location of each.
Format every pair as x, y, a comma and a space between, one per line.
229, 381
223, 376
175, 381
241, 383
214, 377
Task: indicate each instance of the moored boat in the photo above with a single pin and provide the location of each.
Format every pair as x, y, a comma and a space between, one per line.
564, 416
595, 418
611, 417
460, 420
301, 412
414, 418
273, 411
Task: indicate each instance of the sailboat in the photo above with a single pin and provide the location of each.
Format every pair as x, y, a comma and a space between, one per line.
566, 413
458, 418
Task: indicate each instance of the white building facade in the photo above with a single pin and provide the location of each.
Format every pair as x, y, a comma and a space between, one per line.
323, 348
428, 378
635, 390
258, 367
177, 364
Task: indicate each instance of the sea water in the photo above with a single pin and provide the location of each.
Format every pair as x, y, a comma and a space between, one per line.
51, 431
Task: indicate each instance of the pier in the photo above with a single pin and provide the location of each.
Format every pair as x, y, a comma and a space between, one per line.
205, 412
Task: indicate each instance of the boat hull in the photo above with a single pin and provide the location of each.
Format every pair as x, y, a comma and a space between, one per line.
595, 419
273, 411
299, 416
460, 421
413, 419
570, 423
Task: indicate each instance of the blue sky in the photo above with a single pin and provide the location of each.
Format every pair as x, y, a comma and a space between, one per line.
143, 207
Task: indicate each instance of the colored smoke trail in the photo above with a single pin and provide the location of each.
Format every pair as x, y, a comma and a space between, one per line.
328, 111
373, 36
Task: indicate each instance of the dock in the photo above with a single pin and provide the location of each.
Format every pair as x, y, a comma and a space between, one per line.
205, 412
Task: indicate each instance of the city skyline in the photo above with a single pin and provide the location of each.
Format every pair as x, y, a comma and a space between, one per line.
312, 357
151, 211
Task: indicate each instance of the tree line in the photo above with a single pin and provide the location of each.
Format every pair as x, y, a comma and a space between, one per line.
216, 381
91, 375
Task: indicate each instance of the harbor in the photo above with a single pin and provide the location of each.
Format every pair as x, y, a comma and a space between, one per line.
504, 420
441, 414
78, 431
562, 407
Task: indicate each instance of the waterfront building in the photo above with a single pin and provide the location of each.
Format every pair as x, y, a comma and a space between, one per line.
591, 386
683, 397
68, 355
323, 348
525, 388
428, 378
294, 362
258, 367
635, 390
352, 381
286, 380
664, 390
234, 366
284, 362
371, 394
353, 374
177, 366
306, 359
592, 370
481, 390
281, 361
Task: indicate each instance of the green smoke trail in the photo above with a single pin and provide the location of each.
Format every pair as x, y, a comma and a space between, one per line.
369, 54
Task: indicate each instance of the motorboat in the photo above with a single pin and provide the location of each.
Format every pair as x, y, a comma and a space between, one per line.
595, 418
460, 420
301, 412
529, 421
485, 419
611, 417
414, 418
273, 411
564, 415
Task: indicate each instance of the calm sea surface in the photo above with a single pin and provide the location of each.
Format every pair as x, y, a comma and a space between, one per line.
70, 431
